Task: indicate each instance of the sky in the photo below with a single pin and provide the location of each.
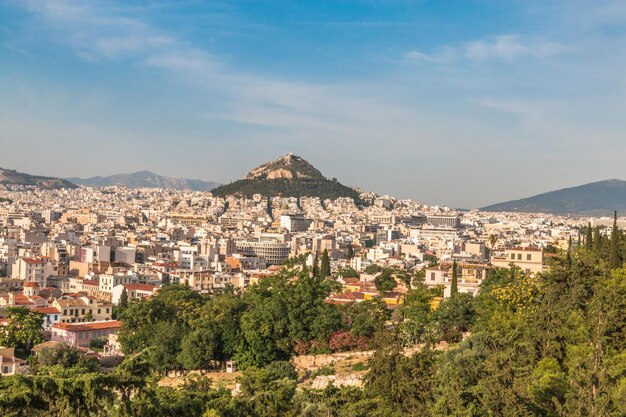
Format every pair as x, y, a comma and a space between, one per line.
459, 103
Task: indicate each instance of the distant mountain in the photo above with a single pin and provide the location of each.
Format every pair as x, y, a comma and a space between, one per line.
145, 179
598, 198
287, 176
12, 177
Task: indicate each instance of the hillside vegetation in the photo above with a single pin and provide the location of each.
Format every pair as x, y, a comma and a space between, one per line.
288, 176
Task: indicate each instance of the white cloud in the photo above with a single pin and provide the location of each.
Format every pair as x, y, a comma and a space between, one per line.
502, 47
510, 47
441, 56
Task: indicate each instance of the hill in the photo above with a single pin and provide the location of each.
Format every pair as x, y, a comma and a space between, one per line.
145, 179
598, 198
12, 177
288, 176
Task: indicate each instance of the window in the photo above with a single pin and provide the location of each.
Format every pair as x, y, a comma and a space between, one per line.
65, 312
519, 256
529, 257
432, 276
99, 311
513, 256
107, 311
5, 369
83, 311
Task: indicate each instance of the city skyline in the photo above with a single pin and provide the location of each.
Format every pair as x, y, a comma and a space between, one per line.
459, 104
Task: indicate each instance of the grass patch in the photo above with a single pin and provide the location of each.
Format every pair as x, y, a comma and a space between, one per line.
360, 366
326, 370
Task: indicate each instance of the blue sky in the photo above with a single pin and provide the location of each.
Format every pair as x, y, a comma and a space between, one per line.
464, 103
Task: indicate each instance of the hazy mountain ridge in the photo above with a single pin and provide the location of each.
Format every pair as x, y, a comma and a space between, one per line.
145, 179
597, 198
288, 176
12, 177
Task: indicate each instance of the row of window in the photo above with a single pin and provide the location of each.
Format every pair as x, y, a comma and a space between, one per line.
529, 257
75, 311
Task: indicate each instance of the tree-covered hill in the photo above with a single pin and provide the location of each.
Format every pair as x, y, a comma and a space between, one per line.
288, 176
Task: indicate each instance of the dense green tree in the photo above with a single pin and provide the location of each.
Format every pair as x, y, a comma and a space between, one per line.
268, 391
347, 273
384, 281
454, 316
24, 330
198, 349
416, 314
406, 384
62, 354
368, 317
373, 269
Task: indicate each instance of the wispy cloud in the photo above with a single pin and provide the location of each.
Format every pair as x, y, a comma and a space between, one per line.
101, 32
508, 47
439, 57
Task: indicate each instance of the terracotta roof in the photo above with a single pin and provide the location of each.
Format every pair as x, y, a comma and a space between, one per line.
34, 260
140, 287
48, 310
94, 325
31, 284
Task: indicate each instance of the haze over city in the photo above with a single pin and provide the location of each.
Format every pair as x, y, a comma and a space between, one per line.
459, 103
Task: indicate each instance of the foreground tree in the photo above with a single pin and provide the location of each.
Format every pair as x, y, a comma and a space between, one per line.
24, 329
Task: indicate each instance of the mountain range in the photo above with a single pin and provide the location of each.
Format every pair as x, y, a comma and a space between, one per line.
594, 199
288, 176
293, 176
145, 179
12, 177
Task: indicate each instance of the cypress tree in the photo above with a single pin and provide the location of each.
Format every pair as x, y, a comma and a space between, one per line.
597, 240
123, 299
454, 288
614, 255
269, 207
589, 237
349, 251
316, 266
325, 265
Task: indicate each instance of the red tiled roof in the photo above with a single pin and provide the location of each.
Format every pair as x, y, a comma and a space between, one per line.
140, 287
31, 284
32, 261
48, 310
94, 325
